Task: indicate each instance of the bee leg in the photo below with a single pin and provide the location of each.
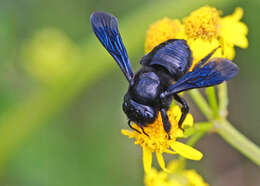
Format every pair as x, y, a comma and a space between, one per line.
166, 123
185, 109
129, 124
141, 126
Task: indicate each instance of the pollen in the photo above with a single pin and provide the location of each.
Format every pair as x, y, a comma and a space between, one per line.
203, 23
161, 31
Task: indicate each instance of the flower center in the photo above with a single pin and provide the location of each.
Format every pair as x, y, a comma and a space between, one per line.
203, 23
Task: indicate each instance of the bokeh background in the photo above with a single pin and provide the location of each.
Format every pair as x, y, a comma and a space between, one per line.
61, 95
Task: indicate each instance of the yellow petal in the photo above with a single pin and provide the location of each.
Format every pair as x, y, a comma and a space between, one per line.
186, 151
228, 49
147, 159
238, 14
169, 151
201, 48
188, 121
233, 30
128, 133
160, 160
179, 133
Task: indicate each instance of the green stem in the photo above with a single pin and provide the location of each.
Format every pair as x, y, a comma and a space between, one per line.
210, 91
193, 140
201, 126
223, 99
238, 140
223, 127
202, 103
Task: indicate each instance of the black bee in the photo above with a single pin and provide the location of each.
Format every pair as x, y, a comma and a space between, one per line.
164, 73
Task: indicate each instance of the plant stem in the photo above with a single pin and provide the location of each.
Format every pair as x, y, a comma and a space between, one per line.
210, 91
202, 103
200, 126
223, 99
238, 140
223, 127
193, 140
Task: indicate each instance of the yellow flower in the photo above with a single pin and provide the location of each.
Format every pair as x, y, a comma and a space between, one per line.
163, 30
157, 140
204, 29
174, 177
203, 23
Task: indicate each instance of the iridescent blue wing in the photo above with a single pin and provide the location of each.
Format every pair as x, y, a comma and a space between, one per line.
173, 55
105, 26
212, 73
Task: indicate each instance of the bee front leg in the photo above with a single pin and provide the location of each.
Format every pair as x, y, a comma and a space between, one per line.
129, 124
141, 126
185, 109
166, 123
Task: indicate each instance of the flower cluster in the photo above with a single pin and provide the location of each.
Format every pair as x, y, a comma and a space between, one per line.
176, 176
204, 29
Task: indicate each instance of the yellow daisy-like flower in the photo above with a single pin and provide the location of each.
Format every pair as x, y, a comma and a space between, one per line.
204, 29
174, 177
157, 140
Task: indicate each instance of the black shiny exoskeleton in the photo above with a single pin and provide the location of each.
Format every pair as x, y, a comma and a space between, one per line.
164, 73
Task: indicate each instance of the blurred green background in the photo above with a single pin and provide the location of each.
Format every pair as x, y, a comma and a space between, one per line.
61, 95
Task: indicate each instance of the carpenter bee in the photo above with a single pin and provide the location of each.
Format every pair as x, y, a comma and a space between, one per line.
165, 72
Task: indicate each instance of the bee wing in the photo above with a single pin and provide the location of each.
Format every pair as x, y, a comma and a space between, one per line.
105, 26
212, 73
173, 55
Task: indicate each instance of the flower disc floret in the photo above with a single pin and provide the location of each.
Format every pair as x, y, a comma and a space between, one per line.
203, 23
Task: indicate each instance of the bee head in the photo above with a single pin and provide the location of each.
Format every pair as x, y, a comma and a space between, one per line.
138, 113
